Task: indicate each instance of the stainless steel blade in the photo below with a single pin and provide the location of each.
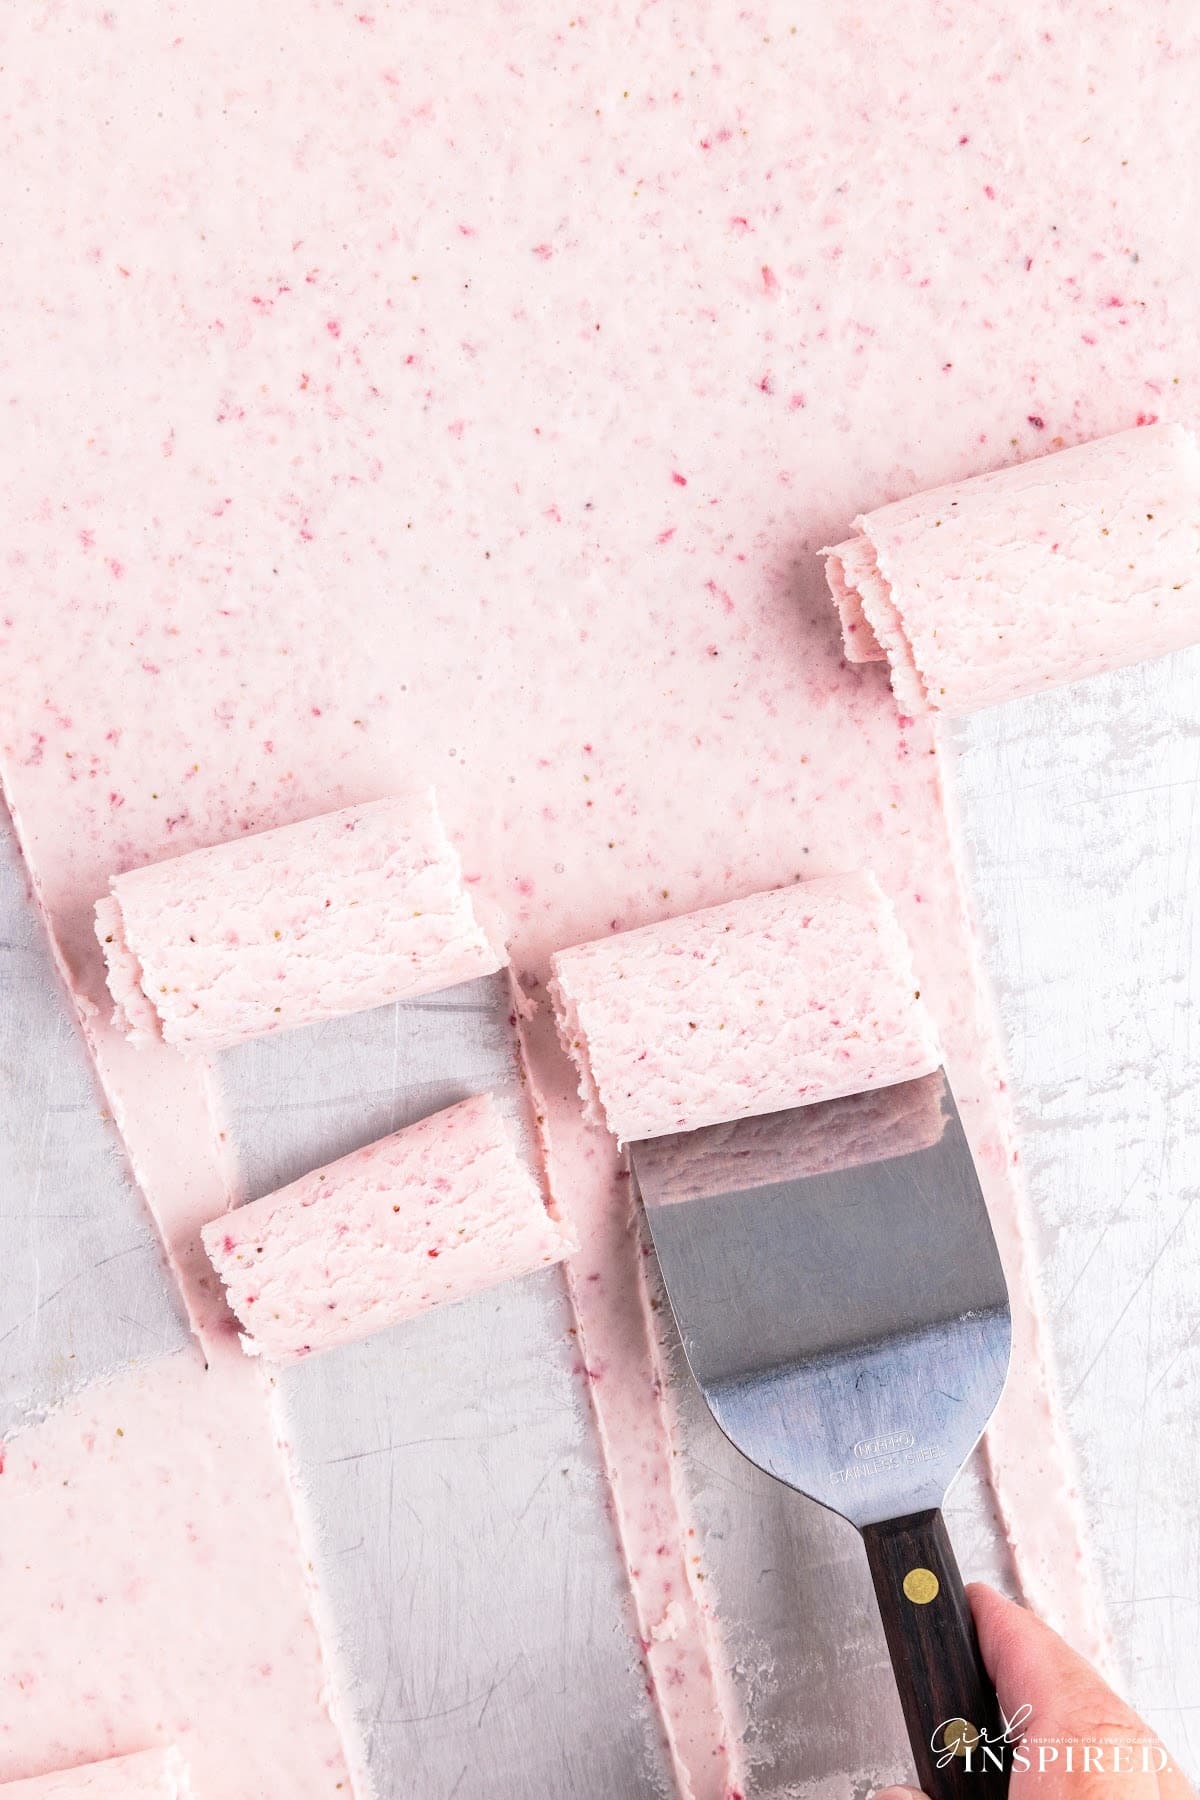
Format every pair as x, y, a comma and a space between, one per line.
798, 1617
462, 1539
838, 1291
84, 1291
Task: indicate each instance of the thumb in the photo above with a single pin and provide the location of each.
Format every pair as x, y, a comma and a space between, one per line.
1059, 1702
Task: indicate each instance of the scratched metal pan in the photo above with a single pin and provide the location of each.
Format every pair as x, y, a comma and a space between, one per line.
83, 1290
1080, 811
463, 1544
465, 1553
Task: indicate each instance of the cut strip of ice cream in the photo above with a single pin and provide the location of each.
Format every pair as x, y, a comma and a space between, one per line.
789, 997
742, 1154
433, 1213
150, 1775
291, 926
1014, 582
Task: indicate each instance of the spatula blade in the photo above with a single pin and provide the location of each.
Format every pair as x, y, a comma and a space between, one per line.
838, 1291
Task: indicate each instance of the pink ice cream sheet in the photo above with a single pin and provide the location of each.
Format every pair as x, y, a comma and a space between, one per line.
431, 1214
782, 999
149, 1775
1017, 581
291, 926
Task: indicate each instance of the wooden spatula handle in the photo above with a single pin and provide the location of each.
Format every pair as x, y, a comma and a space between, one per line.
935, 1655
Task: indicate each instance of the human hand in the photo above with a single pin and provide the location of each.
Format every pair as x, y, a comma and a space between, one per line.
1060, 1705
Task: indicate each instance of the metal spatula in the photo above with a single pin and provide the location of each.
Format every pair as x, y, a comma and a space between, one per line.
842, 1306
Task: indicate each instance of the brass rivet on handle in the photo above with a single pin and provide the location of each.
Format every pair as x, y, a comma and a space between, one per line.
921, 1586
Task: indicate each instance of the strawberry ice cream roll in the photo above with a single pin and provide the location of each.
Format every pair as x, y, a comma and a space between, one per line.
797, 995
292, 926
431, 1214
1018, 581
151, 1775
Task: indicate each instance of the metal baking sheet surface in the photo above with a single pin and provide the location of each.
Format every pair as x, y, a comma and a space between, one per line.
464, 1550
1081, 815
84, 1292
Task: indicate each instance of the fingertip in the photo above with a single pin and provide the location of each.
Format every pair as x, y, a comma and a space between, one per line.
1001, 1624
898, 1793
1035, 1671
983, 1596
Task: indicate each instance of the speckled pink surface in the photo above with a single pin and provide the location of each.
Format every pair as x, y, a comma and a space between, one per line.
782, 999
149, 1775
291, 926
1011, 583
127, 1521
428, 1215
462, 394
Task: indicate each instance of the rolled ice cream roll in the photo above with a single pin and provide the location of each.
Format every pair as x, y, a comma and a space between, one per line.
850, 571
787, 998
431, 1214
291, 926
1014, 582
150, 1775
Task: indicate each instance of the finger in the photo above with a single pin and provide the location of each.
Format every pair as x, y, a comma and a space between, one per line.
1065, 1702
1030, 1664
899, 1793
